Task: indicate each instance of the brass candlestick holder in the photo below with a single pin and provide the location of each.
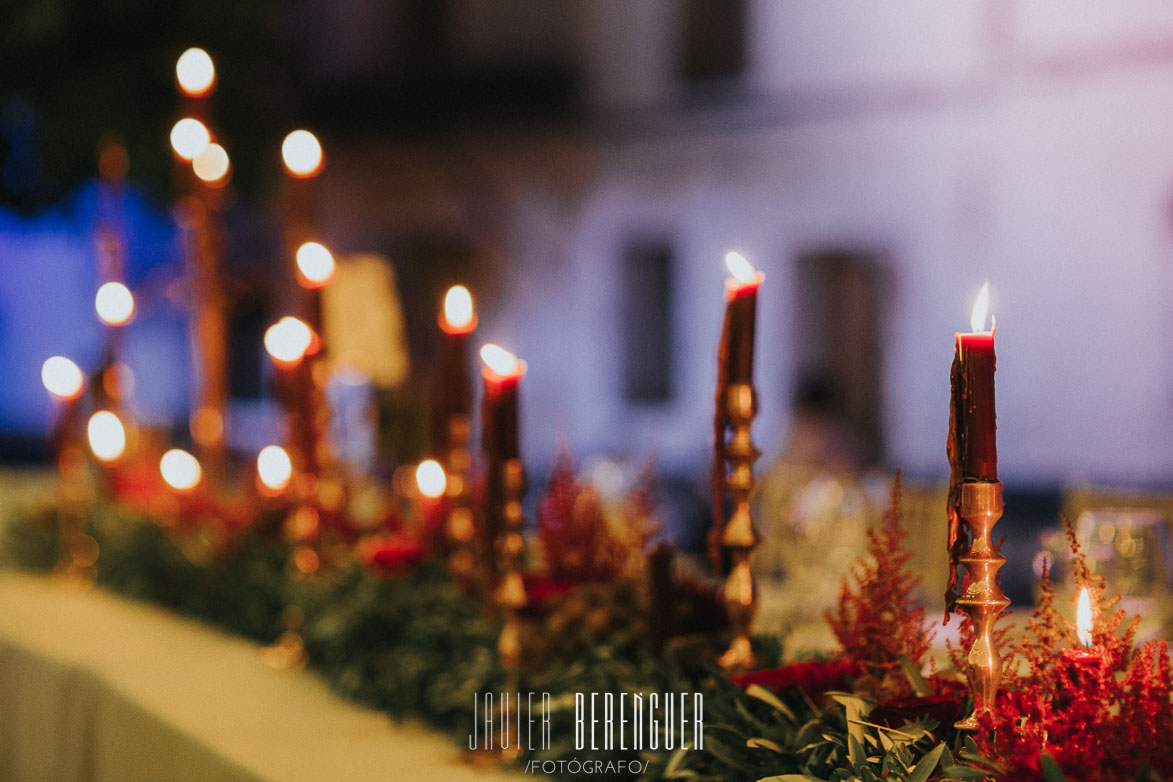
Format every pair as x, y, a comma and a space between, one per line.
981, 507
738, 536
510, 595
459, 526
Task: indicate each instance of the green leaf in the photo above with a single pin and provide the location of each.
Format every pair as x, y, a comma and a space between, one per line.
765, 696
790, 778
760, 743
1050, 769
964, 772
919, 685
927, 764
855, 752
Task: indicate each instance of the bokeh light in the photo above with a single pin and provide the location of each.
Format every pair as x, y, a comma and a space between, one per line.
430, 478
459, 315
180, 469
114, 303
195, 72
62, 378
189, 138
288, 339
106, 435
274, 467
316, 264
302, 153
212, 164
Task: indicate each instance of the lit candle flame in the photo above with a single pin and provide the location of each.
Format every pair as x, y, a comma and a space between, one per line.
62, 378
316, 264
430, 478
195, 72
500, 360
274, 467
458, 309
212, 164
1083, 618
189, 138
288, 339
106, 435
302, 153
981, 307
114, 303
741, 269
180, 469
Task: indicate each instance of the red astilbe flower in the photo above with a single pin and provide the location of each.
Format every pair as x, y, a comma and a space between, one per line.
880, 619
815, 678
393, 555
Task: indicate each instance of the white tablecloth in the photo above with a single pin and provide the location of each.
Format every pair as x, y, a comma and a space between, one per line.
96, 688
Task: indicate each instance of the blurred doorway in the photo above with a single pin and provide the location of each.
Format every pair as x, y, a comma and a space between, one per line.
841, 294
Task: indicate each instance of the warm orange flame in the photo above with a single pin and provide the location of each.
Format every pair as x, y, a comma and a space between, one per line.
114, 303
741, 269
180, 469
500, 360
288, 339
106, 435
274, 467
62, 378
981, 308
458, 309
189, 138
195, 72
430, 478
1083, 618
302, 153
212, 164
316, 264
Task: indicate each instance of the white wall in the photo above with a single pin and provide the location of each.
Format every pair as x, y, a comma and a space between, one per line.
1036, 153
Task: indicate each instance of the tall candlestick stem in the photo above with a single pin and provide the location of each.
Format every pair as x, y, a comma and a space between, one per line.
981, 506
738, 536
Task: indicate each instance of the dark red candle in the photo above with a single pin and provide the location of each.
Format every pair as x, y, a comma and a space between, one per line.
502, 375
975, 429
452, 394
740, 317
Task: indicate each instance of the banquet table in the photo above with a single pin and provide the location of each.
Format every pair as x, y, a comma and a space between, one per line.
93, 687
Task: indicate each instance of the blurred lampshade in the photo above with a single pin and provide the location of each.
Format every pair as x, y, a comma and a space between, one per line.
430, 478
288, 339
459, 315
114, 303
212, 164
195, 72
180, 469
62, 378
316, 265
274, 467
107, 436
302, 154
189, 138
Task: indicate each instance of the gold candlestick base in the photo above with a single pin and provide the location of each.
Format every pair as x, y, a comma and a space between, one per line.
981, 507
459, 526
510, 596
738, 536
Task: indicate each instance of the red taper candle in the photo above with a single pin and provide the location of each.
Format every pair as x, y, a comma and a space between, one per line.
740, 315
972, 376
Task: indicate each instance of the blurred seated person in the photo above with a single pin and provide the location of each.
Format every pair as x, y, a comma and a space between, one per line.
812, 509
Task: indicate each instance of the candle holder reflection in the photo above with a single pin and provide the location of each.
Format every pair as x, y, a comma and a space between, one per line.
980, 507
738, 536
510, 596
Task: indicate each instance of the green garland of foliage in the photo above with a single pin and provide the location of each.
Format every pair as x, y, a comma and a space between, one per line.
415, 647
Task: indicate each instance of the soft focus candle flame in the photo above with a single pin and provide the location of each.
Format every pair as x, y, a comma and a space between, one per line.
302, 153
981, 308
114, 303
458, 310
274, 467
212, 164
1083, 618
180, 469
62, 378
315, 263
741, 269
107, 436
500, 360
288, 339
430, 478
189, 138
195, 72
